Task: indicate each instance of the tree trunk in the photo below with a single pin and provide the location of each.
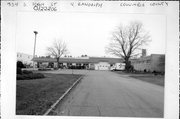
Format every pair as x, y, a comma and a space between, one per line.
127, 64
57, 62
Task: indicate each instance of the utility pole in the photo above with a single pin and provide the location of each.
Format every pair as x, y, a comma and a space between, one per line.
35, 32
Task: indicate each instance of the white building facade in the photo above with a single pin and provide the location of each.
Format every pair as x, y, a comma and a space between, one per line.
25, 58
102, 66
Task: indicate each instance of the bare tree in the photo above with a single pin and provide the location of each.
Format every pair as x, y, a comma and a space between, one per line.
127, 41
58, 49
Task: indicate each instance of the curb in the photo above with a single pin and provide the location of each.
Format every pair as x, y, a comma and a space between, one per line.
67, 91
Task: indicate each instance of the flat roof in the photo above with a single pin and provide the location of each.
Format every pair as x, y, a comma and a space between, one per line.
79, 60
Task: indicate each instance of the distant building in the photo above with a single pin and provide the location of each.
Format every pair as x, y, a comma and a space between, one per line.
25, 59
93, 63
143, 53
154, 62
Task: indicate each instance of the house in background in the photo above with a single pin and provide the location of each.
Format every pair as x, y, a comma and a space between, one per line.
25, 59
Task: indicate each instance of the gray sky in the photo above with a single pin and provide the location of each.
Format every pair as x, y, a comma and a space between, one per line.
84, 33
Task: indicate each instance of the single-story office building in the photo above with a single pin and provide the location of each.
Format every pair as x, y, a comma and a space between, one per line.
94, 63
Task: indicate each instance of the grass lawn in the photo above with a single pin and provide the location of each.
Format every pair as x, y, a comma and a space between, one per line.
158, 80
151, 78
34, 97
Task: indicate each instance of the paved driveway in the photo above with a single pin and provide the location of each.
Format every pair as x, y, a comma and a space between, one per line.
104, 93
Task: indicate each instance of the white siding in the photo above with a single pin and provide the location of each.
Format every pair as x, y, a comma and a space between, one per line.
25, 58
102, 66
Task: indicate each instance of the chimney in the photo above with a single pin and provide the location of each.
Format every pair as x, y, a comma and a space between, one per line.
143, 52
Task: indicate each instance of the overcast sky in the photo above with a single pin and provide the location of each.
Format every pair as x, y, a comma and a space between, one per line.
84, 33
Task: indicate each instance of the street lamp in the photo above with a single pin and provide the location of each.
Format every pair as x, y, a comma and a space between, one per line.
35, 32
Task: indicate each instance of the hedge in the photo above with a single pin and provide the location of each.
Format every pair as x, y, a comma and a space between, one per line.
27, 72
19, 70
30, 76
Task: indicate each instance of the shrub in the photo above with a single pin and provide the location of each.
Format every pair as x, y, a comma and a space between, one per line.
44, 69
30, 76
20, 64
21, 77
55, 68
19, 71
27, 72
